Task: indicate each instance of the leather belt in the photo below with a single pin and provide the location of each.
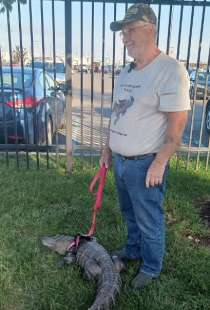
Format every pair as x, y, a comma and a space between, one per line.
136, 157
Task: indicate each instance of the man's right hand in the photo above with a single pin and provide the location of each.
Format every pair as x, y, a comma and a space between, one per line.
106, 158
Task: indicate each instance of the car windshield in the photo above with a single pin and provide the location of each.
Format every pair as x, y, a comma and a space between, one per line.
59, 66
37, 64
17, 79
49, 66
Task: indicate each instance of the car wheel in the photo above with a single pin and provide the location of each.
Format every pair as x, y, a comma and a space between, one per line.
207, 119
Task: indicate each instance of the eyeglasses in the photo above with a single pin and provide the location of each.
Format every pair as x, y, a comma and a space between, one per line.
129, 31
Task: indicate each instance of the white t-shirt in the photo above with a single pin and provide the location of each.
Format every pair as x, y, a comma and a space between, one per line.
138, 122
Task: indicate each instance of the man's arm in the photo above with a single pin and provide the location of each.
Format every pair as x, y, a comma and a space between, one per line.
106, 155
175, 128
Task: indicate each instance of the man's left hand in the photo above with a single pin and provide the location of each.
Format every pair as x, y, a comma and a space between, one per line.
154, 176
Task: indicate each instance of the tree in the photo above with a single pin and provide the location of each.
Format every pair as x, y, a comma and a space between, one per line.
7, 4
16, 54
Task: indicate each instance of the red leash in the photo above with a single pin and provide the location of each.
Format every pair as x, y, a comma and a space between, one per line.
100, 177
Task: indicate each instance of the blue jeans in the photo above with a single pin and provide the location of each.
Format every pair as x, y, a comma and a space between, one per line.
142, 209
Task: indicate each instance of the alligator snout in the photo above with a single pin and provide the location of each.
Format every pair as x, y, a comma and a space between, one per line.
48, 242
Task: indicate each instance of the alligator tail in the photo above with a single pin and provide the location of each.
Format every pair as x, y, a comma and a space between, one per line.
109, 281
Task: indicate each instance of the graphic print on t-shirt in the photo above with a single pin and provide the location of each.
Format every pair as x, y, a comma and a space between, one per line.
120, 107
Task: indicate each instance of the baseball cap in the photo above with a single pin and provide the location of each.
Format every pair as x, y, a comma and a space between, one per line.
136, 12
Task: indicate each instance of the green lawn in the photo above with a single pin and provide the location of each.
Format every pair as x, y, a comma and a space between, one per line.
35, 203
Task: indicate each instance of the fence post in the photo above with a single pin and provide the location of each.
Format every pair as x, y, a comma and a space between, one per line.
68, 77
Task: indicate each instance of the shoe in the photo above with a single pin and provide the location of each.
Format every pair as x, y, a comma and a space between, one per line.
141, 280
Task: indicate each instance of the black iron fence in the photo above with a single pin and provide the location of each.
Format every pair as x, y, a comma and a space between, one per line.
58, 65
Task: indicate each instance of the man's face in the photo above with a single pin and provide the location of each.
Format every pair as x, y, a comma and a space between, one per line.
136, 36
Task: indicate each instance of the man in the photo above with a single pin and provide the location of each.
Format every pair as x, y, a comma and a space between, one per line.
149, 113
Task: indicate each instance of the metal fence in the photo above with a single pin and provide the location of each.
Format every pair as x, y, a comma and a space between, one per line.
77, 32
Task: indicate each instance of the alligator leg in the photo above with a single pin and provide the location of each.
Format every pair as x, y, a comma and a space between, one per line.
70, 258
118, 263
92, 269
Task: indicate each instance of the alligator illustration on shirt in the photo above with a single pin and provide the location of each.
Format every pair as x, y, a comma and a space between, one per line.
120, 107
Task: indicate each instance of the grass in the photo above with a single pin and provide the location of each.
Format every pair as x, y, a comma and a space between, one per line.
46, 202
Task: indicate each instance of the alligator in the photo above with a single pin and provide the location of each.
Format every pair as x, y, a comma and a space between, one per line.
95, 261
120, 107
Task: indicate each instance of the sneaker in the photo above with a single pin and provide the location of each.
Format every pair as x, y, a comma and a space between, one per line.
141, 280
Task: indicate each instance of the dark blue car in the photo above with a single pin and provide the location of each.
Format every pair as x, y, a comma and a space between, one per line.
200, 89
31, 114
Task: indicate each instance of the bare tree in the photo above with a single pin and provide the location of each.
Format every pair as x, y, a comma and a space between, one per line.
7, 4
16, 54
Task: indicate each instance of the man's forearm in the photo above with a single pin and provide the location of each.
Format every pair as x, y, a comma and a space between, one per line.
106, 145
106, 156
176, 125
167, 150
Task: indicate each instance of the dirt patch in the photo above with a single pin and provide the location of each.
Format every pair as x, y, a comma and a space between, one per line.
205, 214
204, 205
205, 241
199, 240
204, 211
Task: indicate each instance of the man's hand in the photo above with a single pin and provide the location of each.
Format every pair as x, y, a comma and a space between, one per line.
106, 158
155, 173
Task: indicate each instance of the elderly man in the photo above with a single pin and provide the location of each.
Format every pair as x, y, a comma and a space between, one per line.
149, 113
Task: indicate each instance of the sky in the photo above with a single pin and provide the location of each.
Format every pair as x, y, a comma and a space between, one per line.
98, 26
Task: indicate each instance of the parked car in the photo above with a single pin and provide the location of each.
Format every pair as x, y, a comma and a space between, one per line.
203, 80
84, 68
32, 118
107, 69
118, 70
49, 67
60, 71
190, 70
207, 117
198, 85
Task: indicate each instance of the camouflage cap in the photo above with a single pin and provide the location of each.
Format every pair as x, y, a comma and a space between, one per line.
136, 12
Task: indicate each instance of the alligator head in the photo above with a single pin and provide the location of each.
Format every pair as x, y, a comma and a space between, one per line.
58, 243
